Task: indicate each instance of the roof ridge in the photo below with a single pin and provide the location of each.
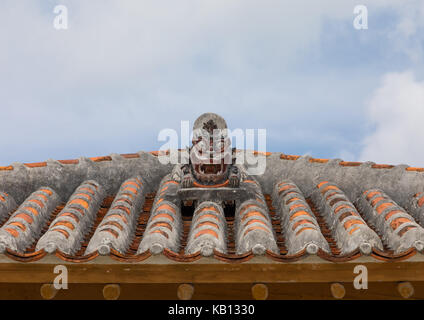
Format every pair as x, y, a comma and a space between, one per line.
351, 163
267, 154
76, 161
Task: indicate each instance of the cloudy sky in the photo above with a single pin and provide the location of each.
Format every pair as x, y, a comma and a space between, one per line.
124, 70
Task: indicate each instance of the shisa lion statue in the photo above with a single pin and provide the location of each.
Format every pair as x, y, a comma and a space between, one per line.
213, 183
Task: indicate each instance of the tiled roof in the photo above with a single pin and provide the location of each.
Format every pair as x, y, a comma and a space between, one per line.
78, 210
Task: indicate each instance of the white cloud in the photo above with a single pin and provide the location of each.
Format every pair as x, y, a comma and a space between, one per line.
396, 109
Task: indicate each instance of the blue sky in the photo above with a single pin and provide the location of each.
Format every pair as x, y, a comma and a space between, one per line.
124, 70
